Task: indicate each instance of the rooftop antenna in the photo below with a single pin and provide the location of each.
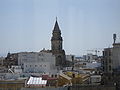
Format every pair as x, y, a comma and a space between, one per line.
114, 38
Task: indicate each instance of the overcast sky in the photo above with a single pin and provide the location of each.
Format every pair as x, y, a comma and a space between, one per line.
26, 25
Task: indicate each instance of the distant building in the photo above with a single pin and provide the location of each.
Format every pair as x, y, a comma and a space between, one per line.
16, 69
11, 59
107, 61
70, 58
111, 59
95, 79
56, 46
37, 62
107, 66
116, 56
1, 60
90, 57
111, 65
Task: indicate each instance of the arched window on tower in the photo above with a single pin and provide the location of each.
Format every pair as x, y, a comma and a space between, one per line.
59, 47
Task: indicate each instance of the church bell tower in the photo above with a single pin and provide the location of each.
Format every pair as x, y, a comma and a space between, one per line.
56, 45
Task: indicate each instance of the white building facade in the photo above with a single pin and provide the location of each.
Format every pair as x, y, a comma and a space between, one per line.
37, 62
70, 58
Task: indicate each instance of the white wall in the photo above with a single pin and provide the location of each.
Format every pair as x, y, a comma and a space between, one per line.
36, 62
95, 79
69, 57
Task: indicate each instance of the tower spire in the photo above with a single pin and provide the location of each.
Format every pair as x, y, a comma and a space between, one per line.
56, 27
56, 18
56, 45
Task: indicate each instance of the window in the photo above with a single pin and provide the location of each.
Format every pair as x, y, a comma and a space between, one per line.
103, 53
59, 47
40, 65
55, 75
109, 68
109, 53
42, 59
52, 75
110, 60
103, 68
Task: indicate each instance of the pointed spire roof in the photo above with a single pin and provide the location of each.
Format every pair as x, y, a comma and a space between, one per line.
56, 27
